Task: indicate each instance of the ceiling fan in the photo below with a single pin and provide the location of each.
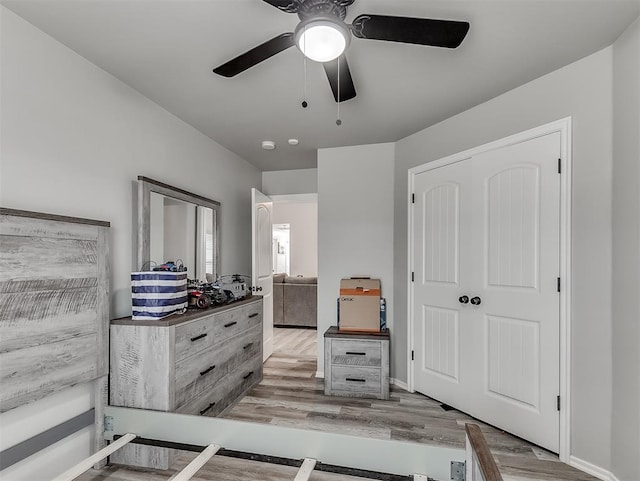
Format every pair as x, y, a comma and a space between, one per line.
322, 35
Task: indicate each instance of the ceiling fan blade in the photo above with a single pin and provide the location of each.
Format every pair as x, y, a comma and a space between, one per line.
288, 6
347, 89
421, 31
256, 55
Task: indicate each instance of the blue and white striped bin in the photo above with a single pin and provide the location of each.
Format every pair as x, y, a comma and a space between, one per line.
157, 294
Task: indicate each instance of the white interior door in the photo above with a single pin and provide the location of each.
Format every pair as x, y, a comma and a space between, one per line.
486, 306
442, 239
261, 263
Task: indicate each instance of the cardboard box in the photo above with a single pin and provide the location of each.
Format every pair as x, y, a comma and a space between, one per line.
360, 305
383, 313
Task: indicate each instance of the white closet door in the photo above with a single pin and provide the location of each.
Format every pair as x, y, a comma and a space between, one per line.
497, 359
442, 245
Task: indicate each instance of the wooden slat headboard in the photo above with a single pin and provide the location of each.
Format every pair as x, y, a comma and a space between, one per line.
54, 310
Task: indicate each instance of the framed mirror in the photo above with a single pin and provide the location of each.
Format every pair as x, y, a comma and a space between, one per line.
177, 225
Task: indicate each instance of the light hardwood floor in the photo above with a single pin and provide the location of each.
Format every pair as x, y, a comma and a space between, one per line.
290, 395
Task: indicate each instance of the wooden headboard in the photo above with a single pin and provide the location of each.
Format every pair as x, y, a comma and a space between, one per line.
54, 310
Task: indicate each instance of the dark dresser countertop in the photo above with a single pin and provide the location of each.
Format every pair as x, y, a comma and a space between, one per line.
334, 332
190, 315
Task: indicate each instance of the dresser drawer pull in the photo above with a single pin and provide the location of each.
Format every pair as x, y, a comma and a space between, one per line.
355, 379
231, 324
207, 408
253, 315
247, 346
351, 353
246, 376
198, 337
209, 369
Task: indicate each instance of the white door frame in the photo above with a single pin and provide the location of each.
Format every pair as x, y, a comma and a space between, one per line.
563, 126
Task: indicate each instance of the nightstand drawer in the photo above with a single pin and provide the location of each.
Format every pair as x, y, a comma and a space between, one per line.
349, 352
360, 380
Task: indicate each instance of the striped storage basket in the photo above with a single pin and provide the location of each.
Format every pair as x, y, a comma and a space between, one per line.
157, 294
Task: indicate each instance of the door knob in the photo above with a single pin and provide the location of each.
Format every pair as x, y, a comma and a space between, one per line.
260, 288
463, 299
476, 301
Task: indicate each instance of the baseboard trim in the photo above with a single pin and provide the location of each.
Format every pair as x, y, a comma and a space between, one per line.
398, 383
320, 374
592, 469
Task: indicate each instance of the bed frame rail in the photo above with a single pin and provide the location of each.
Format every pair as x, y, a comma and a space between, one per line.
398, 460
87, 463
480, 465
309, 451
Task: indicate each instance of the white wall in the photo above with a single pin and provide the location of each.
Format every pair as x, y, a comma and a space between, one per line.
582, 90
355, 227
301, 181
74, 140
625, 443
302, 218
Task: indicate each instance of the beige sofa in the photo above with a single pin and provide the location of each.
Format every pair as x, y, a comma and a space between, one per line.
295, 301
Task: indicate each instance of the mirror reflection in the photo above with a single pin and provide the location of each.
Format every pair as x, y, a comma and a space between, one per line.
182, 232
177, 226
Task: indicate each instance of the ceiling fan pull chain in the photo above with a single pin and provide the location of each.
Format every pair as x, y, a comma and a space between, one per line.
305, 104
338, 121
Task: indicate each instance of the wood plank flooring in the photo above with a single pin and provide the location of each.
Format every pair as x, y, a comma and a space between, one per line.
290, 395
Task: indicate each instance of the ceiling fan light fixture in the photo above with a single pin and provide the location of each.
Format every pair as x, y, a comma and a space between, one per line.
322, 39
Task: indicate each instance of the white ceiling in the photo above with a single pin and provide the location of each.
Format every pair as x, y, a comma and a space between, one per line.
166, 49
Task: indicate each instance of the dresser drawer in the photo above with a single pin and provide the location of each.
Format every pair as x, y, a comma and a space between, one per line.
350, 352
199, 373
241, 380
193, 337
355, 379
226, 391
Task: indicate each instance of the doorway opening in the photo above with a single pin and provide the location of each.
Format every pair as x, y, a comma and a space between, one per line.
295, 283
281, 249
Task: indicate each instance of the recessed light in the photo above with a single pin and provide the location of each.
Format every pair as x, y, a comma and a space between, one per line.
293, 141
268, 144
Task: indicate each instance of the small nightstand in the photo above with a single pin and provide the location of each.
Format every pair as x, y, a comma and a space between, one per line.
356, 364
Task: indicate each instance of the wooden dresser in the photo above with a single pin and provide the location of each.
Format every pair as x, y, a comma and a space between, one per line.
356, 364
197, 363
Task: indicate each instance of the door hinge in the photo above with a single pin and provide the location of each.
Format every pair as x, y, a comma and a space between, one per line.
558, 402
412, 355
558, 285
559, 166
413, 198
413, 278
